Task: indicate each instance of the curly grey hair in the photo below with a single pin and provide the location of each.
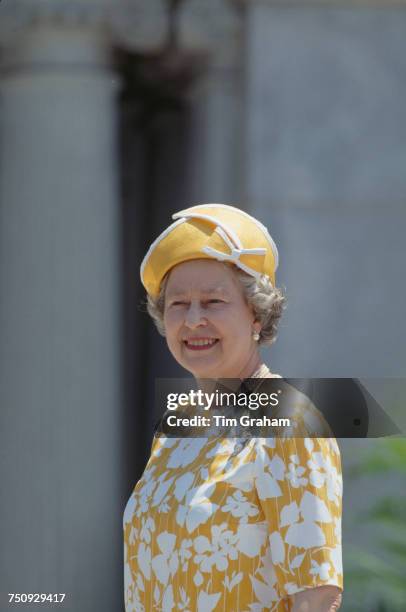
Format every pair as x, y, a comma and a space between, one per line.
267, 303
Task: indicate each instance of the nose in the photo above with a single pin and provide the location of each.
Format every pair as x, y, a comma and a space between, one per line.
194, 316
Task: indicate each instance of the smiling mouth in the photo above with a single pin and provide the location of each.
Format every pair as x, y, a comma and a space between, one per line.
200, 345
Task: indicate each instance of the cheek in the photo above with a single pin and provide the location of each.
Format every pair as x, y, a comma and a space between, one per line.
234, 326
171, 341
240, 327
172, 322
169, 325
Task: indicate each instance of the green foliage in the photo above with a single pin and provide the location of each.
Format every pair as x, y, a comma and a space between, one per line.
378, 582
389, 455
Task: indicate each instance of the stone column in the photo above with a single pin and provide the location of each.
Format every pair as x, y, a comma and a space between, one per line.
59, 309
217, 135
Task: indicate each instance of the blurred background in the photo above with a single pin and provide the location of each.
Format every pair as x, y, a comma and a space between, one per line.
114, 115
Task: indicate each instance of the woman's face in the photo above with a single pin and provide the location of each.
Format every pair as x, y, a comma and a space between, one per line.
208, 323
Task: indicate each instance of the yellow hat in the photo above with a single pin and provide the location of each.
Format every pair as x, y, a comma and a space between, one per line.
210, 231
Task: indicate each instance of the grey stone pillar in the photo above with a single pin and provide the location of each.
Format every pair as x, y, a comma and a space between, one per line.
59, 312
214, 30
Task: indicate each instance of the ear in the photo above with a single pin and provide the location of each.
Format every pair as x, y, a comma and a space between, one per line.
256, 325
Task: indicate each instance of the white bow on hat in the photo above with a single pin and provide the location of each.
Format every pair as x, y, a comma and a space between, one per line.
230, 238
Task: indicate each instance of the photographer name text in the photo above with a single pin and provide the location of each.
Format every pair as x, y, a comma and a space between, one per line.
222, 421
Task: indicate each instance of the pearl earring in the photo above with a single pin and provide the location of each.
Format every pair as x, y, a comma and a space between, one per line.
255, 336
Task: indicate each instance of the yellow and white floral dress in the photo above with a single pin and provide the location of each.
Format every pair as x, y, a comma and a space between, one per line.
233, 525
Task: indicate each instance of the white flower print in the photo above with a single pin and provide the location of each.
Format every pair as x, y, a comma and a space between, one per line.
128, 581
184, 553
232, 582
157, 594
316, 478
262, 460
185, 452
129, 510
267, 472
198, 578
184, 602
167, 601
208, 556
277, 467
334, 485
136, 605
162, 489
337, 528
333, 446
296, 561
140, 582
197, 508
239, 506
323, 472
277, 547
267, 485
165, 564
266, 442
132, 538
161, 443
251, 538
147, 525
312, 508
223, 447
235, 530
216, 551
143, 500
148, 472
164, 505
264, 592
321, 570
309, 444
183, 485
295, 473
337, 559
289, 514
207, 602
144, 559
144, 491
240, 476
225, 539
267, 569
237, 473
306, 534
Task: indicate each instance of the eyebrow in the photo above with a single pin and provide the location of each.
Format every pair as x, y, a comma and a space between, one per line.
205, 291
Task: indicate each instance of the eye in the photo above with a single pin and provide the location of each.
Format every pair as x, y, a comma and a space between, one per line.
216, 301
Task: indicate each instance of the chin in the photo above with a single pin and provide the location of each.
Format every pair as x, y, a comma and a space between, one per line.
201, 372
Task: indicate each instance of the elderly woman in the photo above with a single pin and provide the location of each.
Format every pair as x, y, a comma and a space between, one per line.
213, 524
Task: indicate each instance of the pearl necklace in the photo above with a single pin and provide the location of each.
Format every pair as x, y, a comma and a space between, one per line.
263, 372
